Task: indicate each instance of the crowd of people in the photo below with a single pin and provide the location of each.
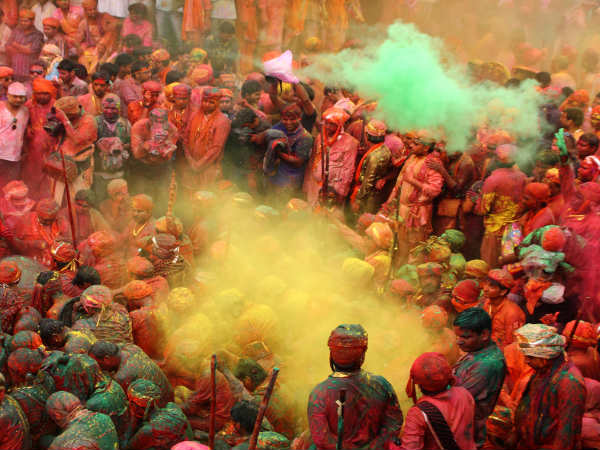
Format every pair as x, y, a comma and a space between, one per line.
130, 131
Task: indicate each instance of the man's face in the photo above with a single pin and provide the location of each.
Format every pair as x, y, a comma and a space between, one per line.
140, 216
63, 4
110, 112
226, 104
290, 122
82, 205
419, 148
50, 31
584, 148
73, 116
66, 75
330, 128
121, 194
528, 202
42, 98
90, 11
586, 171
181, 102
429, 283
5, 81
470, 341
100, 87
143, 75
492, 289
209, 105
16, 101
537, 363
151, 97
124, 71
36, 71
253, 98
25, 23
564, 121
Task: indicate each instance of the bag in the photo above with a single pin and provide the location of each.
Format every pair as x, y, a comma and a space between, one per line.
448, 207
438, 426
54, 168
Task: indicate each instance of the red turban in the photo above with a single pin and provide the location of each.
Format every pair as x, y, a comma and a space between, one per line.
137, 290
256, 76
434, 317
431, 372
102, 243
376, 128
152, 86
585, 335
47, 209
402, 287
347, 344
63, 252
590, 191
9, 272
142, 202
580, 96
336, 115
5, 71
140, 267
502, 277
41, 85
554, 240
27, 14
539, 191
182, 91
95, 297
51, 22
15, 189
202, 74
25, 339
465, 295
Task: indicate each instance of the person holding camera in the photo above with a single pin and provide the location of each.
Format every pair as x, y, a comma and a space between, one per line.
79, 132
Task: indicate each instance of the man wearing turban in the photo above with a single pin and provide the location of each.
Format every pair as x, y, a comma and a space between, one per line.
24, 45
372, 416
334, 157
550, 412
581, 340
432, 373
15, 203
141, 228
140, 109
13, 422
38, 231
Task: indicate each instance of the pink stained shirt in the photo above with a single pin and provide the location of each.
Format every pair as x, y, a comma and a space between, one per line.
458, 408
12, 130
143, 30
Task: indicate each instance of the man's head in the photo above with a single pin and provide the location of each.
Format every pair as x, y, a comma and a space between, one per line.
159, 59
181, 96
66, 70
117, 190
10, 274
572, 118
291, 117
497, 284
473, 329
151, 91
106, 354
141, 208
250, 373
137, 12
84, 200
375, 131
589, 169
226, 31
143, 396
244, 415
70, 106
16, 95
22, 364
430, 277
226, 101
535, 195
37, 69
111, 107
100, 83
46, 210
141, 71
131, 42
334, 120
210, 100
432, 373
540, 344
123, 62
347, 347
60, 407
251, 91
544, 78
85, 277
6, 77
26, 17
465, 295
587, 144
51, 27
90, 8
53, 333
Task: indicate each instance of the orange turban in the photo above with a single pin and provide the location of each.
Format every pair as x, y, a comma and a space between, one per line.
51, 22
41, 85
137, 290
434, 317
102, 243
202, 74
143, 202
5, 71
27, 14
539, 191
140, 267
585, 335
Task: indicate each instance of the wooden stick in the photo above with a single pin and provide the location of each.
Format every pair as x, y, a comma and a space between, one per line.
263, 409
213, 401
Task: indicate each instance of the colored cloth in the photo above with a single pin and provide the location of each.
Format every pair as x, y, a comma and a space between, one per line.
109, 398
551, 410
456, 405
540, 341
372, 416
21, 61
33, 233
163, 428
341, 159
74, 373
32, 400
506, 316
15, 433
300, 144
501, 194
482, 374
372, 167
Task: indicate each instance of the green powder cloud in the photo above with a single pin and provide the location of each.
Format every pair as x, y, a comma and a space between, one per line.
417, 86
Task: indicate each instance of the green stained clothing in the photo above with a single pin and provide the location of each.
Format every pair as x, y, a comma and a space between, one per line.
90, 425
163, 428
482, 374
551, 410
110, 399
14, 427
32, 400
74, 373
